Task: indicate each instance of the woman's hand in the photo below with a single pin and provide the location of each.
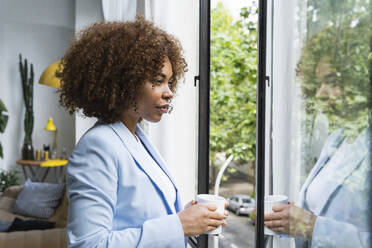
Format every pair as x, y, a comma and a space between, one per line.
290, 219
200, 218
190, 203
193, 202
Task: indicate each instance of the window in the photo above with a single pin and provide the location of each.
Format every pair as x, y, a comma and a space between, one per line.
313, 112
321, 92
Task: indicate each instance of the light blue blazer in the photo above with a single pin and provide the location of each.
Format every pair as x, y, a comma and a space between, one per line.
115, 197
343, 204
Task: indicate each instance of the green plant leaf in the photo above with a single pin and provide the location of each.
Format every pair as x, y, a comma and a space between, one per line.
7, 179
3, 122
2, 107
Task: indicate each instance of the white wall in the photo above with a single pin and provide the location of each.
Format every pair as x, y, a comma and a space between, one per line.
40, 30
87, 13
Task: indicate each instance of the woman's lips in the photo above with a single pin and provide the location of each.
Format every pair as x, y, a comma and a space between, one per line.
163, 108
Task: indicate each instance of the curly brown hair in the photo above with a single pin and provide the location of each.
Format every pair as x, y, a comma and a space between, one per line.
108, 63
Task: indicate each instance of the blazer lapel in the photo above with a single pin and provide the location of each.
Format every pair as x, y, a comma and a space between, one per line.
142, 161
348, 160
158, 158
330, 147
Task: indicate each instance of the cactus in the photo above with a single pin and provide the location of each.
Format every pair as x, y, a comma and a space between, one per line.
28, 95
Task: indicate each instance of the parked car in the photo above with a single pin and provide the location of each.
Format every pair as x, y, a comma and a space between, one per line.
241, 204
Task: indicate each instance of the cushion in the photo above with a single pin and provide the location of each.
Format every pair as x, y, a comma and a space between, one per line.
60, 216
38, 200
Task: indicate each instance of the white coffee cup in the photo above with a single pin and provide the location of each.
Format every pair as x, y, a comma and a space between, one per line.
270, 201
216, 200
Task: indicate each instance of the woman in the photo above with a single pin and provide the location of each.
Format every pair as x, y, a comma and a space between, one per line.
120, 191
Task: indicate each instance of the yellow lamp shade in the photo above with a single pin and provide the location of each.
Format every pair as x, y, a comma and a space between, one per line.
50, 125
48, 77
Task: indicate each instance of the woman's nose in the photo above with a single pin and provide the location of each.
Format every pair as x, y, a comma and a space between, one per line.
167, 93
322, 92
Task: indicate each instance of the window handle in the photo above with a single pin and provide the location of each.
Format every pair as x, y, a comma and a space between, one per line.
267, 79
196, 78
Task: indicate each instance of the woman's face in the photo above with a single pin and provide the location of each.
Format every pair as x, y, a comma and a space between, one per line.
153, 100
328, 98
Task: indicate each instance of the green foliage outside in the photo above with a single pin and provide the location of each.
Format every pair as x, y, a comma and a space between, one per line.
233, 84
337, 55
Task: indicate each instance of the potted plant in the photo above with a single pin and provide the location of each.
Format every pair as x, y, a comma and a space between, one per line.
7, 179
28, 93
3, 121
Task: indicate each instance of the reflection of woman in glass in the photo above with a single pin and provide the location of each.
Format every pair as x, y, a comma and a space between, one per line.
333, 206
334, 203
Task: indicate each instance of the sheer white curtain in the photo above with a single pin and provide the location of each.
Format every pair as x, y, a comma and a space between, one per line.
119, 10
287, 109
176, 135
286, 100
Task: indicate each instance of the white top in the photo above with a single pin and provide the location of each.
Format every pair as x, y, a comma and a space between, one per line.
171, 194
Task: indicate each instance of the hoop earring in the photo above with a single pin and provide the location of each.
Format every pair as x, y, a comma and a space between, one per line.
170, 108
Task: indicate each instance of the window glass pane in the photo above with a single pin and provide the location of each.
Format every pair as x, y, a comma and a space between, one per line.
321, 113
233, 115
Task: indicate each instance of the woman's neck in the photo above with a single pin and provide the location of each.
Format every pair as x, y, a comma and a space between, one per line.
130, 120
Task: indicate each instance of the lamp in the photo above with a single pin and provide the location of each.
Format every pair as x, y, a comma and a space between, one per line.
48, 77
52, 128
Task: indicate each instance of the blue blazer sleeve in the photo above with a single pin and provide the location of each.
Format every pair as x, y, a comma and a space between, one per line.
92, 183
333, 233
